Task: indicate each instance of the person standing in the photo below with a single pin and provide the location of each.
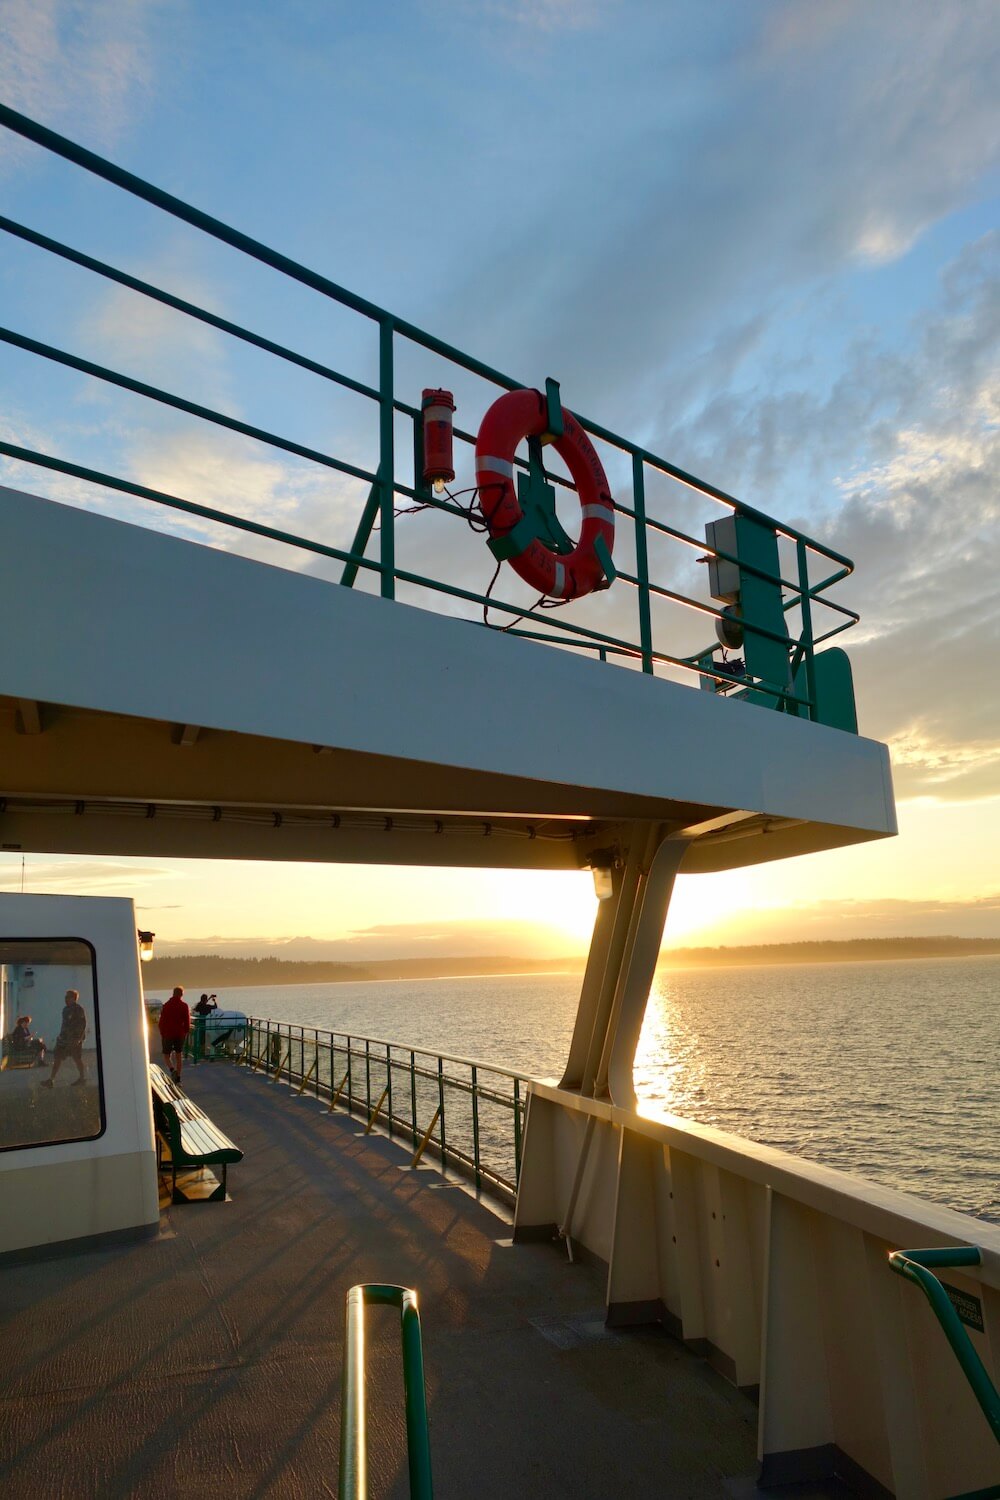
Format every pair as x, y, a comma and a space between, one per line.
175, 1023
69, 1042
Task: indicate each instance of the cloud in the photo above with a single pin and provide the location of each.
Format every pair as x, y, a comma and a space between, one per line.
826, 146
463, 939
57, 876
836, 919
87, 63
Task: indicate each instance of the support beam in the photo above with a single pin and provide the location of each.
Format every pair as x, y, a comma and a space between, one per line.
615, 1074
186, 734
621, 964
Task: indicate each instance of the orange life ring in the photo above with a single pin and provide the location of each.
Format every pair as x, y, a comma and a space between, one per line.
511, 419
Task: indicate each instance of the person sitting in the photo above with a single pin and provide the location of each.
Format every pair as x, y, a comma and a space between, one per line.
26, 1051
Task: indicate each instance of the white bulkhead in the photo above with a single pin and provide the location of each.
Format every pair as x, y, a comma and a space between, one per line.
77, 1153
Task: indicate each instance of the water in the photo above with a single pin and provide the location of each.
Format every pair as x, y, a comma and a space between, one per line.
890, 1070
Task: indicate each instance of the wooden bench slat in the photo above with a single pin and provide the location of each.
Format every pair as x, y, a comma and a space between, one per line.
193, 1139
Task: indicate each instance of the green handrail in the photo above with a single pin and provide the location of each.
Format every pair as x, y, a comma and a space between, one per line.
353, 1482
384, 485
915, 1266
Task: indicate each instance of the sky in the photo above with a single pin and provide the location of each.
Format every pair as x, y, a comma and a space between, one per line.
760, 238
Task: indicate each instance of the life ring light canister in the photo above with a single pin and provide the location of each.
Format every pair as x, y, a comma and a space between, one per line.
511, 419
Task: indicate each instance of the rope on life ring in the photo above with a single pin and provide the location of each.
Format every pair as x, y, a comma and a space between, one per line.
522, 524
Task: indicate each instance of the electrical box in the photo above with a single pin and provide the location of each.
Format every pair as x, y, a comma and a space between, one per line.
723, 577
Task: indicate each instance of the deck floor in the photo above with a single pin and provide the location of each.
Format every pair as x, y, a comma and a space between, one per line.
207, 1361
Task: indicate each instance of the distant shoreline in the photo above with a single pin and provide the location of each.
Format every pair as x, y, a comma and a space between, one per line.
213, 970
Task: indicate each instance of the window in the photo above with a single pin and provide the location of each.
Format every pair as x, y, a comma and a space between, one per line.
50, 1066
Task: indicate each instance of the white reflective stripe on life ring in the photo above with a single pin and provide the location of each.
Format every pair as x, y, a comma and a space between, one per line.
496, 466
560, 583
599, 513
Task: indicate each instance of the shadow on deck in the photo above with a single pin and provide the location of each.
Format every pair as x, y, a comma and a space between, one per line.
207, 1361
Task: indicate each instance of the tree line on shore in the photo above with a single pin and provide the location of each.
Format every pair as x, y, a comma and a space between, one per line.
207, 971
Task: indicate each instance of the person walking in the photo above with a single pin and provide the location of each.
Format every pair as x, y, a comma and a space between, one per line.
175, 1023
69, 1042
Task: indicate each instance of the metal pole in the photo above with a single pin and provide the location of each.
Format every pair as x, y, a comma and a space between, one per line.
806, 624
441, 1109
413, 1094
387, 460
388, 1083
517, 1130
642, 562
475, 1125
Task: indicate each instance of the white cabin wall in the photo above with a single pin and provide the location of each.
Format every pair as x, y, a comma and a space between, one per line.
84, 1189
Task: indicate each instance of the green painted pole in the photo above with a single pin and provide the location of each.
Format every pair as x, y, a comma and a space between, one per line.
475, 1125
517, 1131
642, 562
915, 1266
363, 535
387, 460
806, 626
353, 1479
441, 1111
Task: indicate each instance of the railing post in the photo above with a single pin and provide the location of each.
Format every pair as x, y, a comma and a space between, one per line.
441, 1109
805, 623
642, 562
350, 1080
475, 1126
517, 1131
413, 1094
368, 1077
388, 1083
387, 460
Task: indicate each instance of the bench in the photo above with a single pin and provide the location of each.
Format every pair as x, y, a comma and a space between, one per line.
193, 1141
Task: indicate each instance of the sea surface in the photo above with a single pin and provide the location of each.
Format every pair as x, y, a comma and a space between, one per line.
890, 1070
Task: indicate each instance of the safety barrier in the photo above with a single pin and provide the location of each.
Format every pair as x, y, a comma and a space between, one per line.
353, 1483
469, 1115
916, 1266
781, 634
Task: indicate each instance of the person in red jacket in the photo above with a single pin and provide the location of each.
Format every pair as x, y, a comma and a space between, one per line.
175, 1023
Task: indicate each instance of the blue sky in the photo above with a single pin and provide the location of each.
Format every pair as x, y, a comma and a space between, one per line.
761, 237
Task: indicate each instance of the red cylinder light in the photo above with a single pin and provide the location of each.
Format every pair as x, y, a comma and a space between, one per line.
437, 408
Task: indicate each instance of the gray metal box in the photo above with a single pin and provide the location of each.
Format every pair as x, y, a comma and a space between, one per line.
723, 577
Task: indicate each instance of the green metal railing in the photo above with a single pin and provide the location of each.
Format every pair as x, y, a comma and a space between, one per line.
633, 466
353, 1483
918, 1266
468, 1115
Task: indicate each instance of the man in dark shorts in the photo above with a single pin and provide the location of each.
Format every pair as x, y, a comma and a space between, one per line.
69, 1042
175, 1023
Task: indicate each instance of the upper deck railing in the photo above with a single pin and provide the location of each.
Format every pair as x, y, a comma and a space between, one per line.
649, 633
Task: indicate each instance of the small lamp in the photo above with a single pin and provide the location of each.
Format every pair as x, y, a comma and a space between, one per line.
146, 945
602, 863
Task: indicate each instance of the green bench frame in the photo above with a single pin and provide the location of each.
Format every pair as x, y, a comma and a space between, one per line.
193, 1140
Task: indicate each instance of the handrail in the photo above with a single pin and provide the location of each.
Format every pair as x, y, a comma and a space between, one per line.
915, 1266
778, 686
353, 1479
373, 1071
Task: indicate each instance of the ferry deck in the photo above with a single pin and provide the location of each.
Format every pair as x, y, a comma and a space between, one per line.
208, 1361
